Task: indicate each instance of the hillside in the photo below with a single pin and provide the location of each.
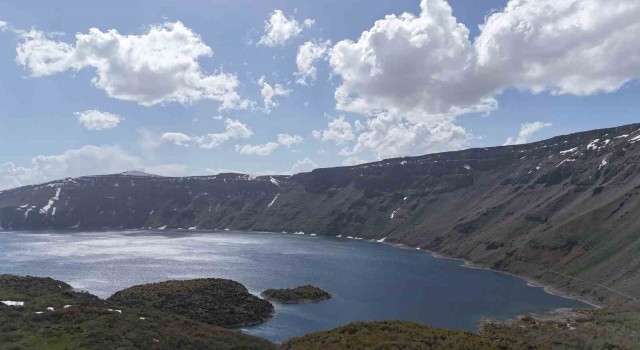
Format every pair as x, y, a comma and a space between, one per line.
564, 211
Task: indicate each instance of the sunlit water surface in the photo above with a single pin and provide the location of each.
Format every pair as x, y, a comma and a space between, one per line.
369, 281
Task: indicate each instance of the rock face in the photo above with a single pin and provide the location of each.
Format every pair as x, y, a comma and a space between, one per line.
218, 302
298, 295
563, 211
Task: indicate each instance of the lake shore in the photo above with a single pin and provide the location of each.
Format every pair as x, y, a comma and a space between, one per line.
472, 265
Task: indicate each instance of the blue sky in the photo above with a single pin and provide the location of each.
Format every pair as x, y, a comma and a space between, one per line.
187, 97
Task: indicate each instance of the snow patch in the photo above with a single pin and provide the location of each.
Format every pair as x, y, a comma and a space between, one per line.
569, 150
381, 239
273, 201
162, 227
298, 233
604, 162
13, 303
53, 199
394, 213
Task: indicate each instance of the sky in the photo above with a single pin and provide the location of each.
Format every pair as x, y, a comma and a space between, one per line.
199, 87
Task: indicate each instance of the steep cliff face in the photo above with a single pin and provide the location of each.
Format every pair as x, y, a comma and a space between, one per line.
563, 211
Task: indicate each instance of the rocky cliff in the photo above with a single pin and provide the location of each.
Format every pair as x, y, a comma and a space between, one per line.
563, 211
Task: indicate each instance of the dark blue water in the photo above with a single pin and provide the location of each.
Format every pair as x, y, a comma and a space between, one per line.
369, 281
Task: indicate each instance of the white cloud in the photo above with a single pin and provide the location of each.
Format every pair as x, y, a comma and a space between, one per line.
308, 54
177, 138
279, 29
413, 75
3, 26
257, 150
87, 160
420, 66
579, 47
388, 135
234, 129
159, 66
339, 131
98, 120
269, 92
303, 165
526, 130
289, 140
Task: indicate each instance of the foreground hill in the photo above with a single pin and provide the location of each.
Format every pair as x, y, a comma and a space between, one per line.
563, 211
49, 314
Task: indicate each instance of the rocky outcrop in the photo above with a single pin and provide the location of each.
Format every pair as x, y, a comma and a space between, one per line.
214, 301
298, 295
563, 211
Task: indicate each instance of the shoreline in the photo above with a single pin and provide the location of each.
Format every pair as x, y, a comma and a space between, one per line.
437, 255
472, 265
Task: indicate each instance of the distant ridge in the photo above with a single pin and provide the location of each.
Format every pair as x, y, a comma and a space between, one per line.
138, 173
564, 211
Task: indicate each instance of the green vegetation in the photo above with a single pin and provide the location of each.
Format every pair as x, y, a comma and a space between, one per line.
214, 301
399, 335
608, 328
91, 323
302, 294
181, 315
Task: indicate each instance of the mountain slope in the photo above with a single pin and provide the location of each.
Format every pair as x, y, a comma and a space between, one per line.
563, 211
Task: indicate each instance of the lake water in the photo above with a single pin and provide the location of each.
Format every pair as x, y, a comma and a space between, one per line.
369, 281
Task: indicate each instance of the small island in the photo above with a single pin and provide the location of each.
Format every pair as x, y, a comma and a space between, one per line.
298, 295
215, 301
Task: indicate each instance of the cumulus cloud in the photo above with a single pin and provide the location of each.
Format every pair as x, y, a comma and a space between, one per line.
578, 47
526, 131
279, 29
234, 129
159, 66
87, 160
98, 120
389, 135
289, 140
269, 92
303, 165
422, 71
339, 131
3, 26
418, 65
257, 150
308, 54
